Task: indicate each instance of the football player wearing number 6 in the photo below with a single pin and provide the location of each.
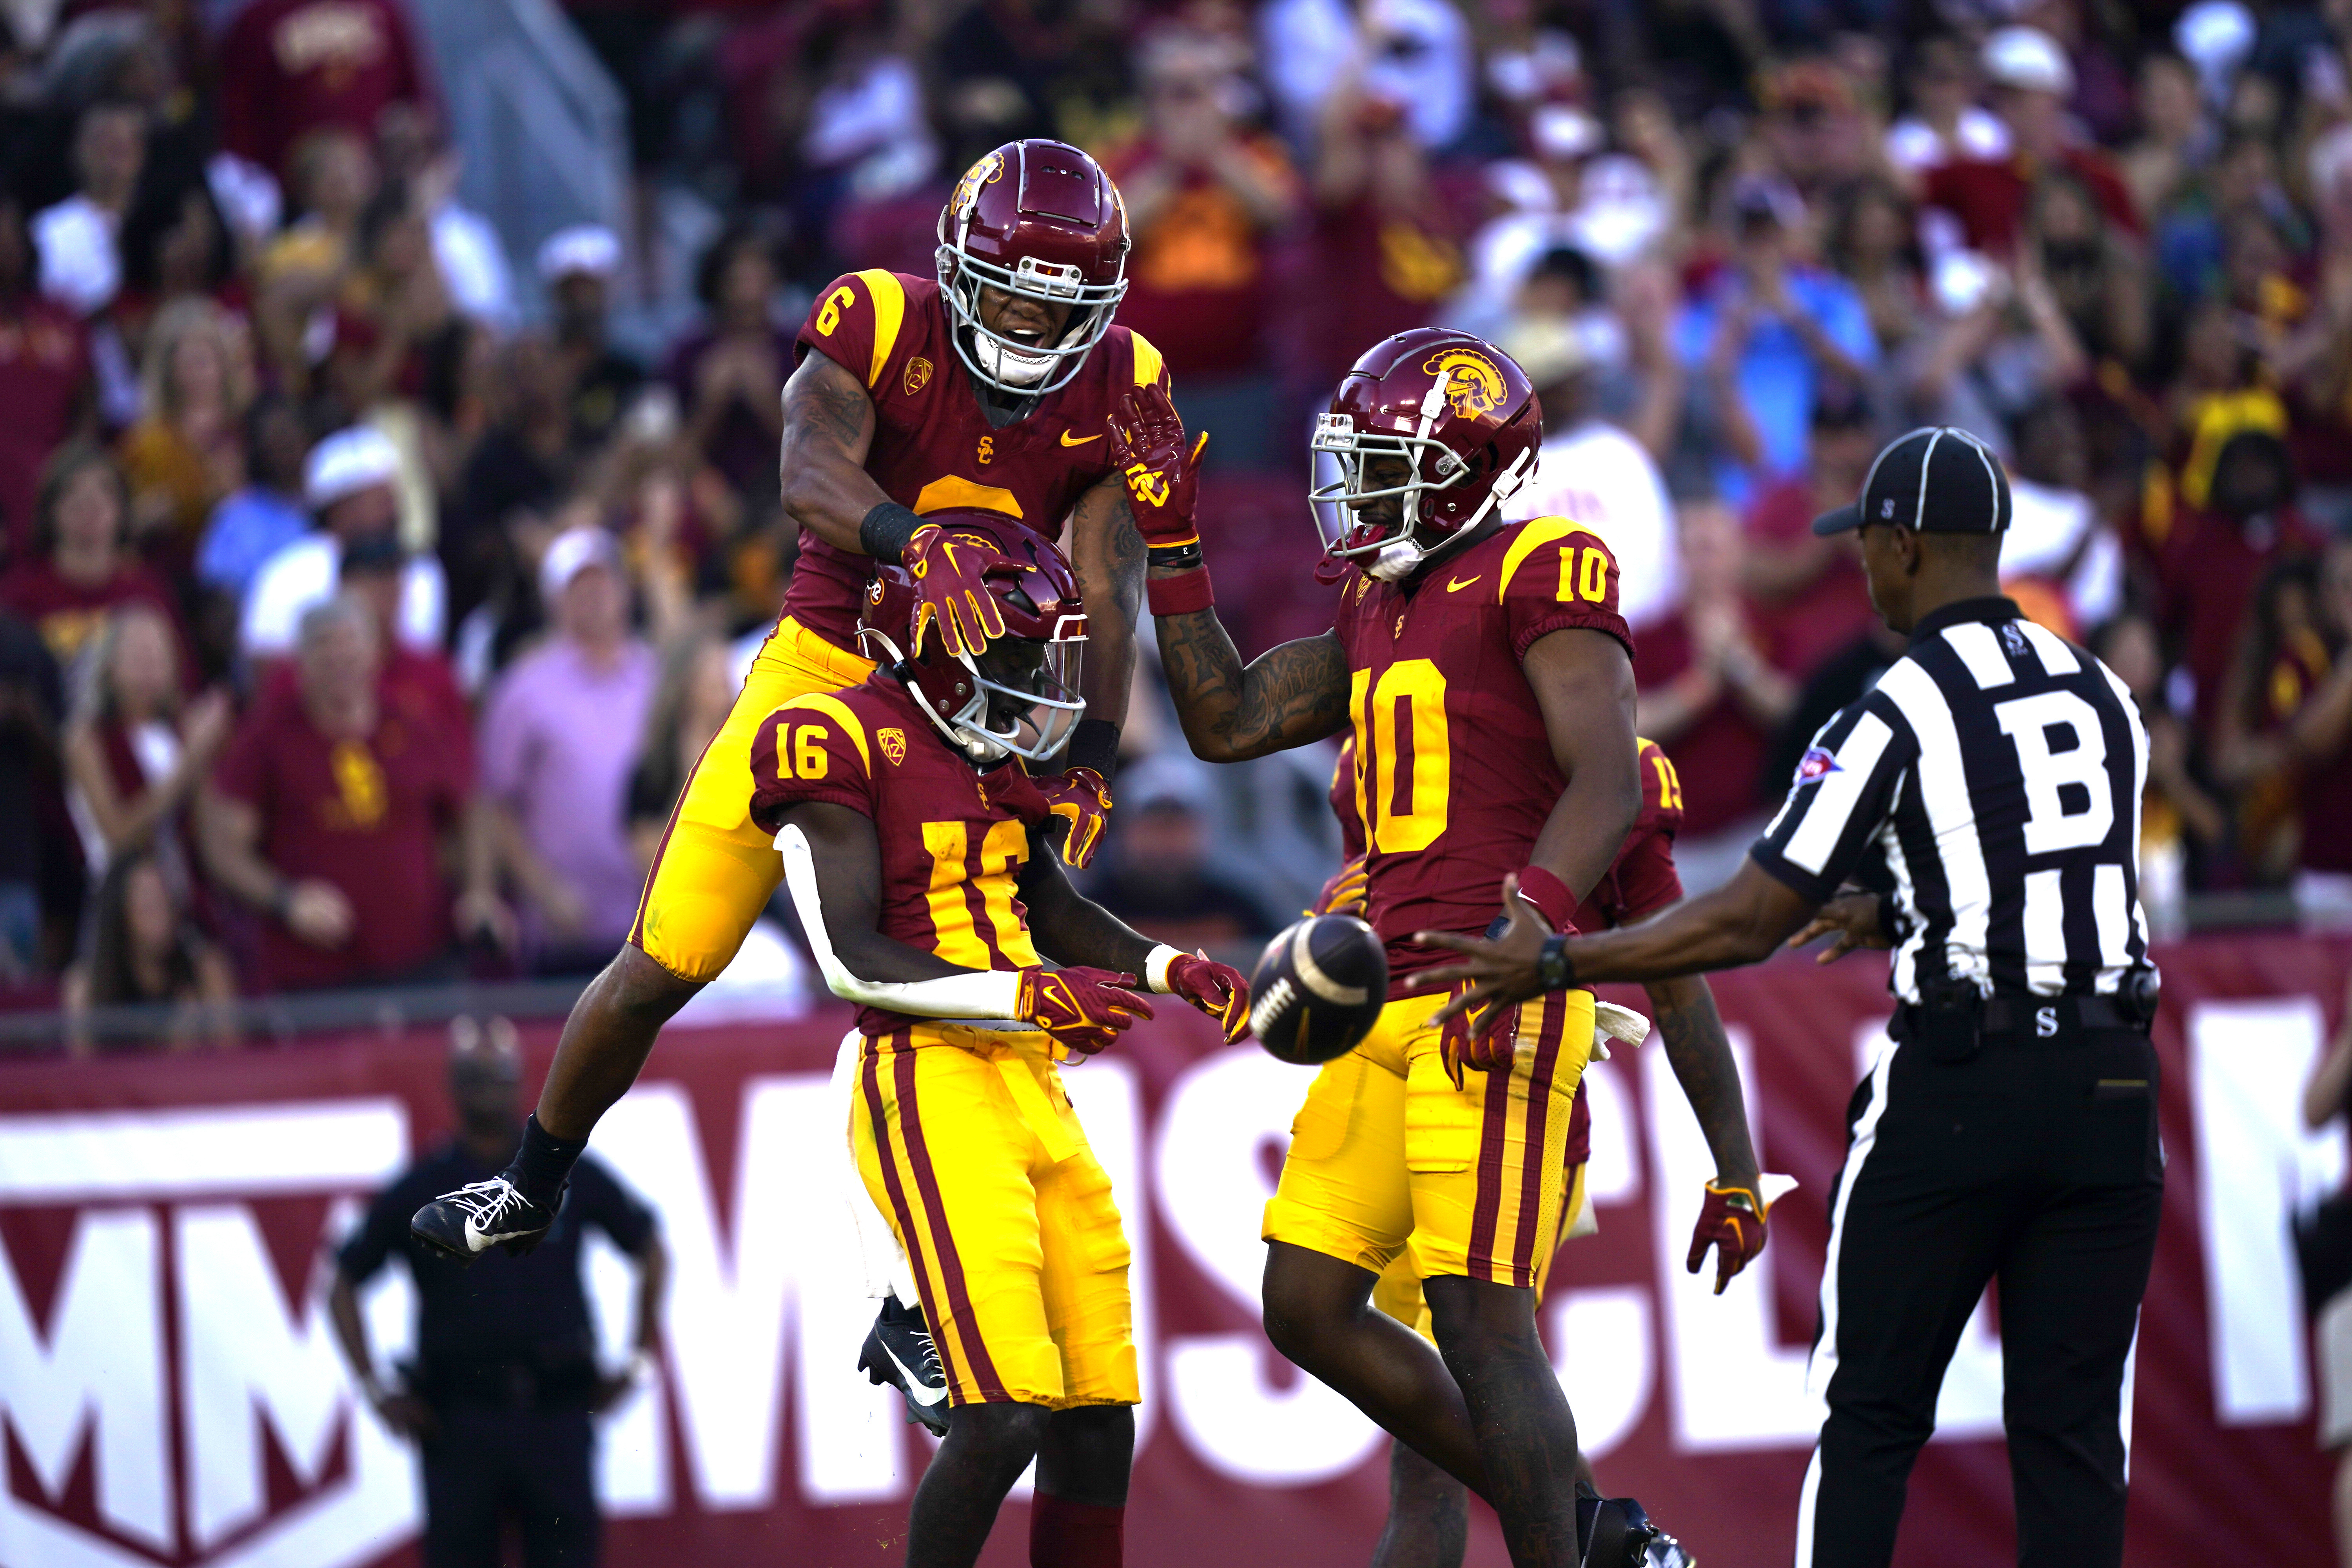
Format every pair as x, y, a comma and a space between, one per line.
988, 389
914, 844
1487, 679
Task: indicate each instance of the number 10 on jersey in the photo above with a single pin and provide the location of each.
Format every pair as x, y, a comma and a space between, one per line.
1403, 754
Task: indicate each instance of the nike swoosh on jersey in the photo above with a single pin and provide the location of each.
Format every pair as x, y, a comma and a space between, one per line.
918, 1390
1458, 582
1070, 440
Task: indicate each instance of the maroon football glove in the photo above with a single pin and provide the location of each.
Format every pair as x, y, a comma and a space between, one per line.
947, 569
1082, 799
1344, 894
1216, 989
1483, 1040
1083, 1009
1736, 1229
1164, 477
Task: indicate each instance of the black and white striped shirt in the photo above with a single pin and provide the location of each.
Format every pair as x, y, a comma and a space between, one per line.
1997, 768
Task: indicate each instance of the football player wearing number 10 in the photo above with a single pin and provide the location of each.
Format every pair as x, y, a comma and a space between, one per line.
1487, 679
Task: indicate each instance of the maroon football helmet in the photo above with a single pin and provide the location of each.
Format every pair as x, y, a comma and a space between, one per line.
1461, 415
1039, 219
1020, 697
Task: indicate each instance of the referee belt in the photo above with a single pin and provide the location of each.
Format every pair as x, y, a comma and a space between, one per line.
2045, 1018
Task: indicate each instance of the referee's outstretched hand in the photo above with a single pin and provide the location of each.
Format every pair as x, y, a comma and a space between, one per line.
1852, 918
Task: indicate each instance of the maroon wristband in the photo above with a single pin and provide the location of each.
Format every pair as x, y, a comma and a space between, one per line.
1181, 595
1550, 897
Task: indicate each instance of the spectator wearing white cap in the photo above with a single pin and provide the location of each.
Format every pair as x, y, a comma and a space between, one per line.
577, 265
349, 483
2032, 83
558, 740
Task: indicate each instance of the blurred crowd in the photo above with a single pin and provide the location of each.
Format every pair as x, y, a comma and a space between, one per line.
371, 574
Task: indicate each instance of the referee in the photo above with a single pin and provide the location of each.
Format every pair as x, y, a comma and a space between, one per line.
1992, 781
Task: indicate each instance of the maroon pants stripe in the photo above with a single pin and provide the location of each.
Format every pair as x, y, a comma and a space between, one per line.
1495, 1124
1532, 1170
951, 1280
871, 1077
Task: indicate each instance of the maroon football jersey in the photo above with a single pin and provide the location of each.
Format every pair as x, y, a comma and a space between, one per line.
1455, 774
933, 448
952, 856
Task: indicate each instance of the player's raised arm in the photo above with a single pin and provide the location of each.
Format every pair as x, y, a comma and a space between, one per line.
1285, 696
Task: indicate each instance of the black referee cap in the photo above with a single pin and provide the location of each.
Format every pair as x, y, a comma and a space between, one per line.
1937, 480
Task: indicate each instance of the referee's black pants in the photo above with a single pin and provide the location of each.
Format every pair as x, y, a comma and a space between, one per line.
2034, 1162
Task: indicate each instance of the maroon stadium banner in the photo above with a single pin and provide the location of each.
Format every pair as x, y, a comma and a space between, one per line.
170, 1393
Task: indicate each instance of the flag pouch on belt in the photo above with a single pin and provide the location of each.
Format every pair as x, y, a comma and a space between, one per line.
1948, 1023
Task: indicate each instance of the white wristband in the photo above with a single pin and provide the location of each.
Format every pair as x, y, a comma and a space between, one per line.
1155, 966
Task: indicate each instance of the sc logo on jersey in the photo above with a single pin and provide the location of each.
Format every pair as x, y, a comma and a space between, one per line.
1473, 384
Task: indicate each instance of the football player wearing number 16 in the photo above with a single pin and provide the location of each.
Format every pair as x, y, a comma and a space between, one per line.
985, 390
914, 843
1488, 681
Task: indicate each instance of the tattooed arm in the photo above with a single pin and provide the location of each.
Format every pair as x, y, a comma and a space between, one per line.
1693, 1032
821, 461
1107, 553
1287, 697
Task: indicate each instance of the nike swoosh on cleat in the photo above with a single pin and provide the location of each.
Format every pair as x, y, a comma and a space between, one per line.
484, 1240
917, 1389
1453, 584
1070, 440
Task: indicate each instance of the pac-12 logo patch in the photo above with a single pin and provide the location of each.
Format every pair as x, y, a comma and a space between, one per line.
894, 744
918, 376
1818, 764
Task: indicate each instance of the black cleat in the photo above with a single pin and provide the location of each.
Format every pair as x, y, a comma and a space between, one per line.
898, 1350
1617, 1533
466, 1224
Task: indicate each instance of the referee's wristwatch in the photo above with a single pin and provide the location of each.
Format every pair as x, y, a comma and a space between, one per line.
1553, 971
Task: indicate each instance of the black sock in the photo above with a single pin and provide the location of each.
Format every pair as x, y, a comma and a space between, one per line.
544, 1163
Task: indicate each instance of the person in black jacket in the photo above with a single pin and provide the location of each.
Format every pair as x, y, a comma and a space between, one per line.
501, 1396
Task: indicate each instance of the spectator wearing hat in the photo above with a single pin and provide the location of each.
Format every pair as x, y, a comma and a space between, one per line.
1575, 194
349, 483
2031, 80
2210, 558
1763, 333
577, 265
1162, 879
81, 265
559, 740
327, 816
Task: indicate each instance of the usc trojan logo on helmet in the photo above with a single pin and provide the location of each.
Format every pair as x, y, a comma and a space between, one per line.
1473, 387
989, 169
